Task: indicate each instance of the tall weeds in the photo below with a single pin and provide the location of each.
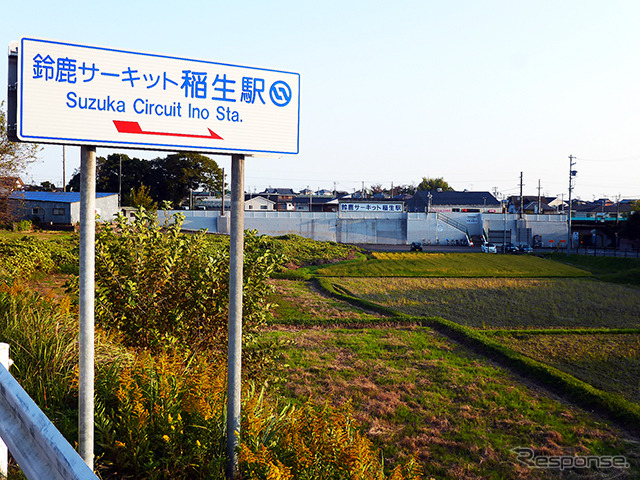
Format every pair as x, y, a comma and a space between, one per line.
42, 335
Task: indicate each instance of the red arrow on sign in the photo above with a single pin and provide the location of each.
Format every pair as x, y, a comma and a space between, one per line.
134, 127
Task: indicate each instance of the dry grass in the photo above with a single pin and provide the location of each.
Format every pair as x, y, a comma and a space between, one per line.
610, 362
506, 302
416, 392
412, 264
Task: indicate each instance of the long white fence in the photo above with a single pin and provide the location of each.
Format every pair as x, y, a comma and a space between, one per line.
399, 228
36, 444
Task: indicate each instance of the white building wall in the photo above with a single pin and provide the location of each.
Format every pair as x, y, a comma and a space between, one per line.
377, 227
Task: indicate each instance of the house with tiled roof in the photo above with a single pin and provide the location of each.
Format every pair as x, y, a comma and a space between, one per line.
453, 202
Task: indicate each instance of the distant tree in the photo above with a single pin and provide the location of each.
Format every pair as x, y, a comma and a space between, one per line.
377, 188
631, 226
166, 178
135, 172
47, 186
15, 157
434, 184
404, 190
140, 197
175, 175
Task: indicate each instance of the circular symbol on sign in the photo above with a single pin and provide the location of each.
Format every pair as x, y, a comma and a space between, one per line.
280, 93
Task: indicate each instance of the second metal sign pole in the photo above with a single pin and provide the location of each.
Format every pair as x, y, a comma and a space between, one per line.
236, 262
87, 302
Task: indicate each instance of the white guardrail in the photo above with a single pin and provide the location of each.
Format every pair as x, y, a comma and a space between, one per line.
36, 444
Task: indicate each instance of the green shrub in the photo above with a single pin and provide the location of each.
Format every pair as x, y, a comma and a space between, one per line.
22, 226
162, 290
21, 258
301, 251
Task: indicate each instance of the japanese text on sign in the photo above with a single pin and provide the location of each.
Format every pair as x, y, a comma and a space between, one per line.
144, 99
371, 207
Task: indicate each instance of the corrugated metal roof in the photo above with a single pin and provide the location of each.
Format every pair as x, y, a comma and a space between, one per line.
59, 197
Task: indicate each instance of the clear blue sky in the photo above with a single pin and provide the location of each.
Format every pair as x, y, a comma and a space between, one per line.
472, 91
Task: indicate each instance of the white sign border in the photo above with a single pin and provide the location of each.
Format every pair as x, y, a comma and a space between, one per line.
142, 145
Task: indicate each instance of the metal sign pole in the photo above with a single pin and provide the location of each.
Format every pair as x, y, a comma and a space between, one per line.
87, 302
236, 255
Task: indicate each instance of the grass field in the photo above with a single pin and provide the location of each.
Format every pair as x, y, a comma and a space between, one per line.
451, 265
419, 392
298, 302
608, 362
506, 302
40, 235
609, 269
416, 391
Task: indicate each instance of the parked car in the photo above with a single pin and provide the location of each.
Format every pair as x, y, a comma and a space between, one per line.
489, 248
511, 248
524, 248
416, 246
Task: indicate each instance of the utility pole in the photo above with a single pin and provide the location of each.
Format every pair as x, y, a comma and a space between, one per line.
539, 199
572, 173
64, 170
222, 211
521, 201
504, 230
120, 184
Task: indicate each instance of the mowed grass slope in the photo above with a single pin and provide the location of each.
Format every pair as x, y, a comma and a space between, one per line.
409, 264
417, 392
297, 302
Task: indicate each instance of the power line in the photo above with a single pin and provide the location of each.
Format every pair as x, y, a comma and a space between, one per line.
621, 159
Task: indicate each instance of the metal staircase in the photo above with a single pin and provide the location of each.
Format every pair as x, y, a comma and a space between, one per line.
454, 224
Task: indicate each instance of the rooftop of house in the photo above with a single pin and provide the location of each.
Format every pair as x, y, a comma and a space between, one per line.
59, 197
277, 191
456, 198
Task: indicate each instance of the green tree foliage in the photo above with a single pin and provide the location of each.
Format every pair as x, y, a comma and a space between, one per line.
15, 157
434, 184
47, 186
140, 197
135, 172
176, 174
168, 178
631, 226
164, 290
